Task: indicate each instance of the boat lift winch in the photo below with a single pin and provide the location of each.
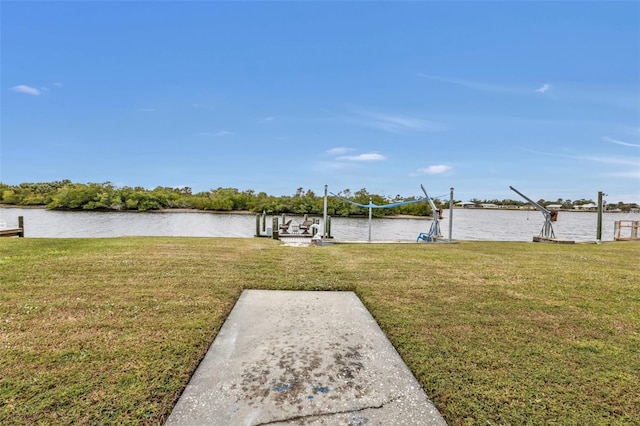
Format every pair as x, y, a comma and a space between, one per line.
546, 234
434, 232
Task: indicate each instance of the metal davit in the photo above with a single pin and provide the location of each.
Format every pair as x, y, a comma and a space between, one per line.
546, 233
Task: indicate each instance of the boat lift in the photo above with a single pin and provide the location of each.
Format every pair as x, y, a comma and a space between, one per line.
434, 233
546, 234
371, 205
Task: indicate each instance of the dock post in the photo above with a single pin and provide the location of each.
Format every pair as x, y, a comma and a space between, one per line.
328, 231
370, 202
599, 226
450, 214
324, 213
257, 225
274, 230
21, 225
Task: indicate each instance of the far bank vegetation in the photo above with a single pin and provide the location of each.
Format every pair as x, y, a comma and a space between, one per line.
66, 195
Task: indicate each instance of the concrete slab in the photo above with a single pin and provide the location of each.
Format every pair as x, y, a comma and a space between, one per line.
310, 358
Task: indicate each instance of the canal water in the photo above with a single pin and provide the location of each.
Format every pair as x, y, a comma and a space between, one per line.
468, 224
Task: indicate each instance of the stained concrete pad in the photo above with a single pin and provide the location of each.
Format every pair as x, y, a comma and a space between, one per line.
303, 358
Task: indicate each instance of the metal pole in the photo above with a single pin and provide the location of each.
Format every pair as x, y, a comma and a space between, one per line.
324, 214
370, 201
451, 215
599, 228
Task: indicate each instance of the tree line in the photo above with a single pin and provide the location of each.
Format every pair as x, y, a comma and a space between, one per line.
66, 195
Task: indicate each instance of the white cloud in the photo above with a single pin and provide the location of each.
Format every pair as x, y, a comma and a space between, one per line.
545, 88
22, 88
362, 157
608, 139
436, 169
339, 150
267, 119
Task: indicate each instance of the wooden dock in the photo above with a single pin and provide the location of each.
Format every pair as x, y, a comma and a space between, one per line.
14, 232
552, 240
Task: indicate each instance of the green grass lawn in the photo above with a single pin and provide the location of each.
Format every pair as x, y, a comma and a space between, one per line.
108, 331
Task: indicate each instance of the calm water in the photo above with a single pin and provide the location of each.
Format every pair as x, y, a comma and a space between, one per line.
468, 224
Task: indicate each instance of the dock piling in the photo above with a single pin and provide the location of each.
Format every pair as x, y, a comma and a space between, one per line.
274, 231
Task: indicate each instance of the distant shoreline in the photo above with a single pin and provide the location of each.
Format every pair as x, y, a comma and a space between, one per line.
246, 212
176, 210
183, 210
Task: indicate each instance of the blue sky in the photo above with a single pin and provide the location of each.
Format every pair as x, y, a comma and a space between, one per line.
272, 96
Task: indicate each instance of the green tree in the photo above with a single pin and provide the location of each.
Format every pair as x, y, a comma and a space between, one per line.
73, 196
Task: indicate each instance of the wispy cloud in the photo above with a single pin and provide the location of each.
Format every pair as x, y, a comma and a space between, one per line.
23, 88
216, 134
266, 120
435, 169
55, 84
613, 160
339, 150
632, 174
608, 139
545, 88
362, 157
395, 123
488, 87
335, 165
476, 85
619, 161
625, 100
